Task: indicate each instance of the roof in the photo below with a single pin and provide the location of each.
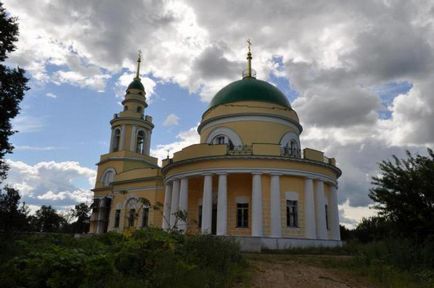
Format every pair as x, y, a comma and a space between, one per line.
249, 89
136, 84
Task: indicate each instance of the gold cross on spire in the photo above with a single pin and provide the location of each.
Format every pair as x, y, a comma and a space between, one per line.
249, 58
139, 59
249, 44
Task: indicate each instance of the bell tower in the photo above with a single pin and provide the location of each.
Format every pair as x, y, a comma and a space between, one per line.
131, 129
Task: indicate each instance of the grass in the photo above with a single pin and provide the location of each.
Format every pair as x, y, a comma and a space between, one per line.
371, 263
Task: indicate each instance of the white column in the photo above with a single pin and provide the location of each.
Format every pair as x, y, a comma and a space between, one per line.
334, 214
99, 225
111, 141
166, 211
174, 203
133, 139
207, 205
183, 203
275, 217
309, 210
257, 229
321, 229
222, 205
122, 140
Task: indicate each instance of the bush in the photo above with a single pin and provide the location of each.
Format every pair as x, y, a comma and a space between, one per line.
146, 258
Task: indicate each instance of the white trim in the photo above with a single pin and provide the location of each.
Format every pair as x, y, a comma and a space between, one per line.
265, 118
104, 174
145, 188
293, 196
288, 137
133, 139
285, 172
242, 200
122, 142
231, 134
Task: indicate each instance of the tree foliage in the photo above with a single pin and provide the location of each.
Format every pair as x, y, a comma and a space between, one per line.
13, 216
12, 86
46, 219
404, 195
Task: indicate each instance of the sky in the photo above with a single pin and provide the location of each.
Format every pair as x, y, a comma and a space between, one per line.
358, 73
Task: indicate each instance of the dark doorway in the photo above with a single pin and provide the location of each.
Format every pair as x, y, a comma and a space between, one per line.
214, 220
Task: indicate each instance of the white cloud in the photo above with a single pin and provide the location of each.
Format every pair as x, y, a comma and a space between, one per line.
59, 184
171, 120
51, 95
127, 77
185, 138
27, 124
35, 148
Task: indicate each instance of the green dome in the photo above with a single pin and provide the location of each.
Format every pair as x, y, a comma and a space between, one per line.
136, 84
249, 89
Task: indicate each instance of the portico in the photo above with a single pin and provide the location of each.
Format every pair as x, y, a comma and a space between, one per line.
264, 199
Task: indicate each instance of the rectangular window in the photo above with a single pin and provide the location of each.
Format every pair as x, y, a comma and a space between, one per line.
242, 215
117, 218
291, 213
145, 217
199, 217
327, 216
131, 217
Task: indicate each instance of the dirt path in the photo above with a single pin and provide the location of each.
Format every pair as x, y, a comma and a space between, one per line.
275, 271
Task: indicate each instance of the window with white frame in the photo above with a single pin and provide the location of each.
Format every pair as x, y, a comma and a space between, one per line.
222, 139
291, 213
108, 177
242, 215
145, 217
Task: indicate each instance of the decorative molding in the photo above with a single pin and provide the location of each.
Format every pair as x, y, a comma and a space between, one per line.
230, 133
218, 120
284, 172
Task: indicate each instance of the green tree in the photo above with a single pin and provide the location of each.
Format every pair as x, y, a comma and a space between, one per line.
404, 195
46, 219
13, 216
12, 86
82, 213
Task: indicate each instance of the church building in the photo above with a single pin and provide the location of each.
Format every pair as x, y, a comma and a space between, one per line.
248, 178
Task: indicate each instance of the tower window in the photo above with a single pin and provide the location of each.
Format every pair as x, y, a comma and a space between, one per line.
291, 213
326, 216
145, 217
242, 215
140, 143
139, 109
116, 140
131, 216
117, 218
108, 176
125, 108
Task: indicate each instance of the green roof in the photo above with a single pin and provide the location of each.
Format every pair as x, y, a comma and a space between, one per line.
249, 89
136, 84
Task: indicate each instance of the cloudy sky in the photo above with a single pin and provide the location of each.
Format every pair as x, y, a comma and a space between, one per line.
359, 74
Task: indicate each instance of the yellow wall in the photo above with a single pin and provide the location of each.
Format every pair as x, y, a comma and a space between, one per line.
253, 131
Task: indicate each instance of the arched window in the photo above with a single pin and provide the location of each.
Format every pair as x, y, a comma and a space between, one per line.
223, 139
140, 142
116, 140
131, 208
108, 177
290, 144
125, 108
139, 109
